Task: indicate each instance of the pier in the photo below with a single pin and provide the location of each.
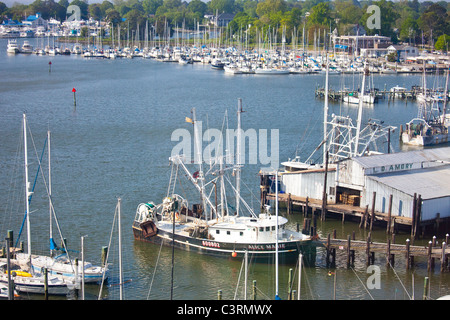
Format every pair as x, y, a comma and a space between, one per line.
338, 95
390, 249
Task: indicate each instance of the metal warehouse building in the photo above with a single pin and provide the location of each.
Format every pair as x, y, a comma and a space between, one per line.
354, 181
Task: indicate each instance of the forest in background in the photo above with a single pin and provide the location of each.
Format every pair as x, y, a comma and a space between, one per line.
404, 20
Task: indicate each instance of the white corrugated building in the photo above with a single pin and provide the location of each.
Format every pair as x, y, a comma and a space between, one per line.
424, 172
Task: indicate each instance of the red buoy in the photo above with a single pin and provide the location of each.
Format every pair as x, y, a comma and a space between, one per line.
73, 90
234, 254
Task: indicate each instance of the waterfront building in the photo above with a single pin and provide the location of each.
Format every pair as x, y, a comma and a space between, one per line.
401, 176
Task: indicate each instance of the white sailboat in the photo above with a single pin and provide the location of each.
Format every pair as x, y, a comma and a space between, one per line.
26, 279
61, 269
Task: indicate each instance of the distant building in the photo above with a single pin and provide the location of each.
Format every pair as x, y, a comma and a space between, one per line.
355, 44
35, 21
403, 51
221, 20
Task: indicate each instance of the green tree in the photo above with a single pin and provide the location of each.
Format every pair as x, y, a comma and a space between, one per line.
442, 43
321, 15
221, 6
113, 16
388, 16
434, 19
409, 29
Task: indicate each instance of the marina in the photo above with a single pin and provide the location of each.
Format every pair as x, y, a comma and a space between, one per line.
117, 142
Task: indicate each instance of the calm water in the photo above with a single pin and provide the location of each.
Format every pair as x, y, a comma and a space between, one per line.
116, 143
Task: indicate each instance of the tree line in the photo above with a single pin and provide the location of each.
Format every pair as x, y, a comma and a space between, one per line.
403, 20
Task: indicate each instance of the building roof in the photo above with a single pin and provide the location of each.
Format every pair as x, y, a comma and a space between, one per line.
430, 183
419, 156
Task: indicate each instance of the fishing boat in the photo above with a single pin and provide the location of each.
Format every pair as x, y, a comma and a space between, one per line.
215, 227
431, 126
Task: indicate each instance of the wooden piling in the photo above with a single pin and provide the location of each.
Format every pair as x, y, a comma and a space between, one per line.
368, 250
407, 253
443, 262
430, 247
290, 279
425, 289
219, 295
348, 250
254, 289
388, 227
306, 206
328, 248
45, 283
373, 211
289, 204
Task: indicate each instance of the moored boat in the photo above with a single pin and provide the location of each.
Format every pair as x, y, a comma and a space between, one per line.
210, 228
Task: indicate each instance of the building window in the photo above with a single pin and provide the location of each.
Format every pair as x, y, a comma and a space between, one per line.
228, 232
217, 231
273, 228
261, 229
267, 228
241, 233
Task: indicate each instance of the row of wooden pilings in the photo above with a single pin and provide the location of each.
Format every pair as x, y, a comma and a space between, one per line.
432, 251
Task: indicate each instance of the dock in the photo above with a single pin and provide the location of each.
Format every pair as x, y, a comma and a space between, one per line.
367, 217
338, 95
349, 246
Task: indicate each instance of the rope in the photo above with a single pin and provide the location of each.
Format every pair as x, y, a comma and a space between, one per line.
400, 280
154, 271
367, 290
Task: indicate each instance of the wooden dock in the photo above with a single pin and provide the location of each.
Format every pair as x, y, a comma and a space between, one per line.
338, 95
367, 217
432, 252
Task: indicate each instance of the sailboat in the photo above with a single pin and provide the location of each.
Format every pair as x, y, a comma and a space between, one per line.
430, 127
209, 227
61, 268
26, 279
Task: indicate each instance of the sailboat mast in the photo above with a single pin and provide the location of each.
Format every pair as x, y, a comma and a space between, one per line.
238, 157
119, 227
50, 190
325, 114
27, 184
444, 111
276, 235
358, 124
198, 156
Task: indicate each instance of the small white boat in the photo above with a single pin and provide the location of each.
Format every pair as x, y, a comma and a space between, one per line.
12, 48
232, 69
398, 91
271, 71
27, 48
25, 282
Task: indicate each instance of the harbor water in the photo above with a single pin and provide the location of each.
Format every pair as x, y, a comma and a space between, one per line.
112, 138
